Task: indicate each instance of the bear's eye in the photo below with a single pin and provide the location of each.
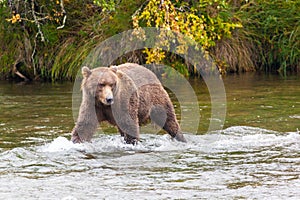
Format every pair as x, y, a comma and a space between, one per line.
101, 84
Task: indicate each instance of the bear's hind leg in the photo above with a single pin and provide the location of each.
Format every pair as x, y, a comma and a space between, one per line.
166, 119
172, 127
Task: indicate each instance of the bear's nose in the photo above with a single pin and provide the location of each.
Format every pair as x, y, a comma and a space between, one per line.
109, 100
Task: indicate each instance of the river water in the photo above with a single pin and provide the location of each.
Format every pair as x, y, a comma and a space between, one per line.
255, 156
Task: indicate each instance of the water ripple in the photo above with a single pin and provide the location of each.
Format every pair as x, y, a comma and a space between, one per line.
238, 162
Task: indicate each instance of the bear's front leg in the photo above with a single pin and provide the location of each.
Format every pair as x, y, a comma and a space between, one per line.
86, 124
75, 137
130, 138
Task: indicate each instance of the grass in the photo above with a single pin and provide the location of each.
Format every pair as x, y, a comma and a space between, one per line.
273, 26
235, 54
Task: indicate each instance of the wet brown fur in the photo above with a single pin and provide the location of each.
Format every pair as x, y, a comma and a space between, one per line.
138, 96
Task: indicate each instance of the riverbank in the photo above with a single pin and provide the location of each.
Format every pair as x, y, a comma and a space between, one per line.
49, 43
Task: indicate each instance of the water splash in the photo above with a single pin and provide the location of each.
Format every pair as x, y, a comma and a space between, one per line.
58, 144
244, 162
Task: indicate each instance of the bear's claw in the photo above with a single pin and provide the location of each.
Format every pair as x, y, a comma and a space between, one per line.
131, 140
75, 138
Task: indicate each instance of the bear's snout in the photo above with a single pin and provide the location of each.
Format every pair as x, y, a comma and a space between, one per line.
109, 100
105, 95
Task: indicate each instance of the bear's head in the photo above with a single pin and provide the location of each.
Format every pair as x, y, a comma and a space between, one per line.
100, 83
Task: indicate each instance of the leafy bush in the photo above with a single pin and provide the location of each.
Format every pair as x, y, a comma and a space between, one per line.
204, 22
49, 40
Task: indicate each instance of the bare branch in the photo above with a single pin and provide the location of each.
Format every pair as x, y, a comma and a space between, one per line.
139, 9
64, 13
36, 21
32, 57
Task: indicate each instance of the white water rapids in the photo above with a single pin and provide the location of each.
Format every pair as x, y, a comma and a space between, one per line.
237, 163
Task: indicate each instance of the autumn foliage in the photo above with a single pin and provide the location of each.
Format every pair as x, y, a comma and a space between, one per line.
49, 39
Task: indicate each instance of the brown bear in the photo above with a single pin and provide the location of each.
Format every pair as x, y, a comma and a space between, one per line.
127, 96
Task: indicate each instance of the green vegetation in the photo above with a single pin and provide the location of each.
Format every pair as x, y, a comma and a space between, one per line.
49, 40
274, 28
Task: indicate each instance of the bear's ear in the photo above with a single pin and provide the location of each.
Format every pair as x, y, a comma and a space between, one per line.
119, 74
85, 71
114, 68
116, 71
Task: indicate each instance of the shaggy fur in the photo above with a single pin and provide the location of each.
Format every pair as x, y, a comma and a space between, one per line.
127, 96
